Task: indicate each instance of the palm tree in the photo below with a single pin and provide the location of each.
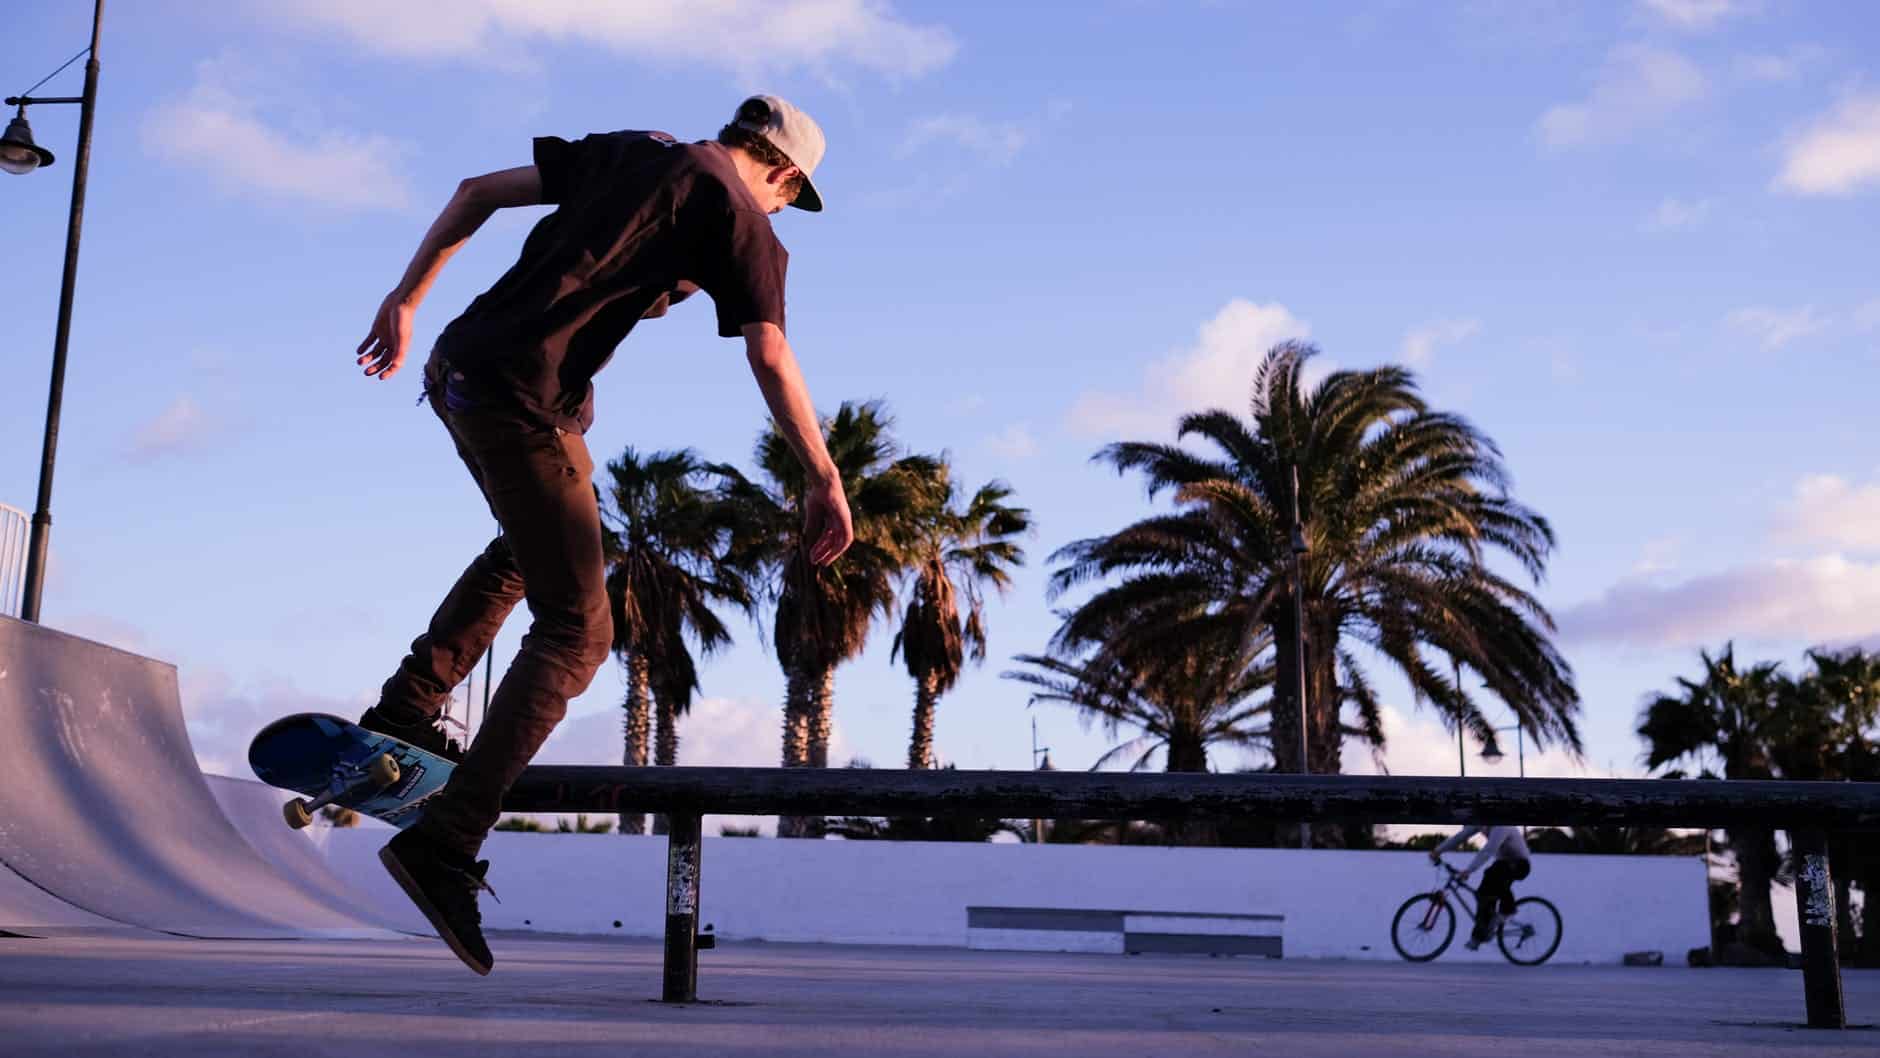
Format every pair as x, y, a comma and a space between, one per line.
1727, 722
1827, 731
962, 550
665, 534
825, 614
1179, 705
1402, 508
1617, 841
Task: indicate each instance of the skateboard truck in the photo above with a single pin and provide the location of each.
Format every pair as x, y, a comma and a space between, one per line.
379, 772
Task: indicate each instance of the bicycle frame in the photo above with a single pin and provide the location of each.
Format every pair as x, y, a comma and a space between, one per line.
1465, 895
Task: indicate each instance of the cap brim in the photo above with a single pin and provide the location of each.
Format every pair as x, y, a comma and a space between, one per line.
808, 199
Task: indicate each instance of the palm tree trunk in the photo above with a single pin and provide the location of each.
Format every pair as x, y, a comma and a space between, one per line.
1186, 752
821, 715
795, 719
636, 723
1284, 720
1326, 739
797, 707
665, 745
665, 733
926, 697
1755, 864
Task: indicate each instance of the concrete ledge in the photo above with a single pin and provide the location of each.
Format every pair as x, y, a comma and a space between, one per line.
1123, 932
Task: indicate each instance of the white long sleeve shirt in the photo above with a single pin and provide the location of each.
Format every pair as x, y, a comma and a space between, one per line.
1500, 843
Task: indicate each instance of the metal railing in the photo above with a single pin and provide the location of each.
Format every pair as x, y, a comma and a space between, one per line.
15, 529
1807, 810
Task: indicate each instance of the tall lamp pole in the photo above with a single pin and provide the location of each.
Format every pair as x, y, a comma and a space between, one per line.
20, 155
1462, 756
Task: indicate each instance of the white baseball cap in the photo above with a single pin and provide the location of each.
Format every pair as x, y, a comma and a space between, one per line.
791, 131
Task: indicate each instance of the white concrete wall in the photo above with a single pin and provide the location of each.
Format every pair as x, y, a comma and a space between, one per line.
1337, 904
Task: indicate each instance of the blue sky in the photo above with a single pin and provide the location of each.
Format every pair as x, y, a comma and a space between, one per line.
1630, 241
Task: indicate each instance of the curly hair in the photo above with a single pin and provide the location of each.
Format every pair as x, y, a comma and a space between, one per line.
754, 144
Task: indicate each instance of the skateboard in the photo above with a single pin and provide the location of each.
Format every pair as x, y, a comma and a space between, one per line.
337, 762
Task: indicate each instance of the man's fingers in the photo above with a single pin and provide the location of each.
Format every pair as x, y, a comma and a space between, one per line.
831, 544
824, 551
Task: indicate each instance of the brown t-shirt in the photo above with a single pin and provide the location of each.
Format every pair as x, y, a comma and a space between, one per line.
643, 220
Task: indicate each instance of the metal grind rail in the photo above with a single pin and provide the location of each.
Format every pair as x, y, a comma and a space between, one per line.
1808, 811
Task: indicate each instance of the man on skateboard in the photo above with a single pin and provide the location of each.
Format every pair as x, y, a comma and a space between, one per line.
642, 221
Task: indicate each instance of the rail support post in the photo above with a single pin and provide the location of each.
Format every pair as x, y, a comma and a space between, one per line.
1815, 914
682, 864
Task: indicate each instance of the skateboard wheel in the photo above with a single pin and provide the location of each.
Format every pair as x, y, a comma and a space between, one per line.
298, 813
384, 770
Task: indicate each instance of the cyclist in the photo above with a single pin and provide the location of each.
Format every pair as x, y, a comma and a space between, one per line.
1495, 899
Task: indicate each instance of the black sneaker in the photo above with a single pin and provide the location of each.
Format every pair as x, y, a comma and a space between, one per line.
433, 735
445, 888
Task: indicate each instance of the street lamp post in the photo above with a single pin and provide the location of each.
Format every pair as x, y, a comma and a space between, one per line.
1494, 756
1462, 756
20, 155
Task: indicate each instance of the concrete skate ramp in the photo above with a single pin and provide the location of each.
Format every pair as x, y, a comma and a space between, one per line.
102, 804
28, 911
255, 810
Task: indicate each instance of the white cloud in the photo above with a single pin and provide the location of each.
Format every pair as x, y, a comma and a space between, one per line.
1013, 442
720, 732
1775, 328
1867, 317
1419, 346
1825, 599
1639, 87
1675, 214
1839, 154
749, 37
1698, 15
1659, 555
1417, 743
988, 142
1788, 66
1829, 510
218, 129
223, 716
955, 151
1216, 372
178, 428
717, 732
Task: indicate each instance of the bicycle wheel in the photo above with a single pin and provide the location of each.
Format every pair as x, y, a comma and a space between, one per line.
1423, 927
1531, 935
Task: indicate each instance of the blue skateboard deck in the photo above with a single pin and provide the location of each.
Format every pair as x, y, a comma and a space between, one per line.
336, 762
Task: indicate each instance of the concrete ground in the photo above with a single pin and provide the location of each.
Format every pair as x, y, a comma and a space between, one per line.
75, 996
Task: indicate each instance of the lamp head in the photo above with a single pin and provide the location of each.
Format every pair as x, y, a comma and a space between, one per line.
18, 153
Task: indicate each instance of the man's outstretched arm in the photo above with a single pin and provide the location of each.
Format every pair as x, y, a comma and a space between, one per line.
827, 529
383, 351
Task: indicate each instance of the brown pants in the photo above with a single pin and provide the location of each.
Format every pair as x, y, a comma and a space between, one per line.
539, 484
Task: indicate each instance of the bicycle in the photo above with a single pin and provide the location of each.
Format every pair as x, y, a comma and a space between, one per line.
1426, 923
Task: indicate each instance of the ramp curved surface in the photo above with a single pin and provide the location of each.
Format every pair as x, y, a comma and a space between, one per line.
29, 911
255, 810
102, 804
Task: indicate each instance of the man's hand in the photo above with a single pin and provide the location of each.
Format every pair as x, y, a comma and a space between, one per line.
383, 351
827, 529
